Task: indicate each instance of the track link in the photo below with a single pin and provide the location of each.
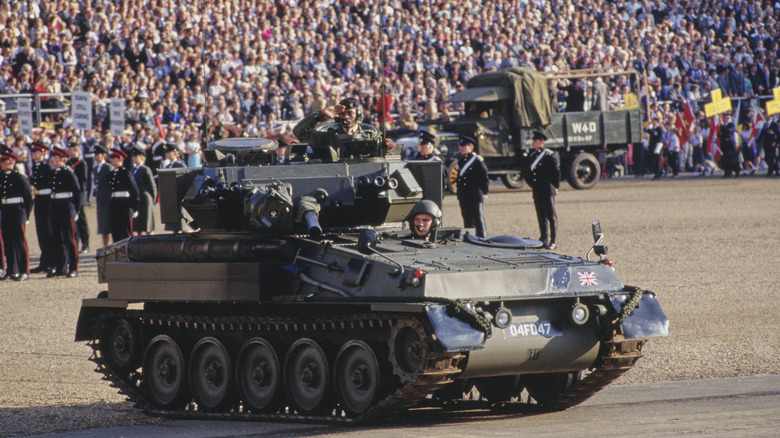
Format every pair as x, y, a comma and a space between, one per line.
439, 369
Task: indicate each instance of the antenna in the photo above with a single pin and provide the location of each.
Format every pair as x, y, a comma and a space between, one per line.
205, 128
382, 71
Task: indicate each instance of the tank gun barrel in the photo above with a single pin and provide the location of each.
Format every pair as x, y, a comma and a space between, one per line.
153, 249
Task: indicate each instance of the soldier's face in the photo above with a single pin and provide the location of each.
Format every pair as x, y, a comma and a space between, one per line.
537, 144
56, 161
465, 149
348, 118
426, 149
37, 156
7, 164
423, 224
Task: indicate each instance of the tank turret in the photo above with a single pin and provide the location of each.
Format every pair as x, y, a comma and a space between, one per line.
302, 294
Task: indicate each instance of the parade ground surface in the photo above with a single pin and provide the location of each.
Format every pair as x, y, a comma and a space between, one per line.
709, 247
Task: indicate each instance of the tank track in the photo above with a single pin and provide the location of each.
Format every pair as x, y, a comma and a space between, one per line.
617, 355
440, 368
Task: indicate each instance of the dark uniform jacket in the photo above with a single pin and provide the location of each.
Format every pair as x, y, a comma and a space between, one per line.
102, 186
473, 179
80, 170
122, 183
66, 192
545, 177
16, 200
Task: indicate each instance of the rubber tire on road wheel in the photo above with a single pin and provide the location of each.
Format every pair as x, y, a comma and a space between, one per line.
211, 376
584, 171
513, 180
164, 373
451, 182
259, 376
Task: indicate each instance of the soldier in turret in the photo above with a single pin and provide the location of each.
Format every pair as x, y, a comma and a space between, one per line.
347, 114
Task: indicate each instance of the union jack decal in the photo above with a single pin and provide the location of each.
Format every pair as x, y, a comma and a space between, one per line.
587, 278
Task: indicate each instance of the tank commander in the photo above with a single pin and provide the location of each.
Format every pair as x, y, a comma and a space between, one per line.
348, 136
423, 220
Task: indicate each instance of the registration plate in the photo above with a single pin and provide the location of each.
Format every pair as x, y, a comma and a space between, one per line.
547, 329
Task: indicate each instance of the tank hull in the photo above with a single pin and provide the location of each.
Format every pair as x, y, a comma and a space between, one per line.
303, 297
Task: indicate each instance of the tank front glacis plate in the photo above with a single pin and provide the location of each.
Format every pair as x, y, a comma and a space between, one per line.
464, 270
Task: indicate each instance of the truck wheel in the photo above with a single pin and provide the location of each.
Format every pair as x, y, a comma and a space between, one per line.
512, 180
584, 171
451, 181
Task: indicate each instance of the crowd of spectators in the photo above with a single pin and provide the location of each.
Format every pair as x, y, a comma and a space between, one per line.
254, 67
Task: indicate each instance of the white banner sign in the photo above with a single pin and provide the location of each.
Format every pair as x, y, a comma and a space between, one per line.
81, 110
24, 106
117, 114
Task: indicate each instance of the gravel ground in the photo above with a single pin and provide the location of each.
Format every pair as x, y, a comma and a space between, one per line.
709, 247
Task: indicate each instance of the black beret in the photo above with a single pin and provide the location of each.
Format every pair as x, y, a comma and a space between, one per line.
539, 136
100, 149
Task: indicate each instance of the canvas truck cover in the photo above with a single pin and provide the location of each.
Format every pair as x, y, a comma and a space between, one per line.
532, 106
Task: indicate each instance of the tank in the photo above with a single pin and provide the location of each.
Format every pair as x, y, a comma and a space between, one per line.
301, 296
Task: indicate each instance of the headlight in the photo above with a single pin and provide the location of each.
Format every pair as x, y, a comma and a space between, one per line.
503, 317
580, 314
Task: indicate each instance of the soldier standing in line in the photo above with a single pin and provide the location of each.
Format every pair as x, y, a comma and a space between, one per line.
80, 170
124, 197
41, 184
472, 185
65, 202
16, 204
103, 193
147, 190
543, 174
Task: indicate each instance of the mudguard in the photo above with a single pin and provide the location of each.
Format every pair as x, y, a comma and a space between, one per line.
647, 320
453, 334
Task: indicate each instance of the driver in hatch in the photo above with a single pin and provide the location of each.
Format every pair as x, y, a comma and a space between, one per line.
424, 218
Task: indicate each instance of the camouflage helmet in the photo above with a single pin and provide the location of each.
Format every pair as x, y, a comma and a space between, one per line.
351, 102
425, 207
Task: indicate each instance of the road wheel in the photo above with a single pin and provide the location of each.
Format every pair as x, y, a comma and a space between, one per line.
584, 171
164, 373
356, 377
307, 378
550, 390
451, 181
120, 345
210, 376
513, 180
500, 388
259, 376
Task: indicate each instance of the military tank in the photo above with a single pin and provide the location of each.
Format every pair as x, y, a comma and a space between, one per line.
301, 296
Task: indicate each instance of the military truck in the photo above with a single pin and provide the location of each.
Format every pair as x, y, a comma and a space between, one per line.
501, 109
